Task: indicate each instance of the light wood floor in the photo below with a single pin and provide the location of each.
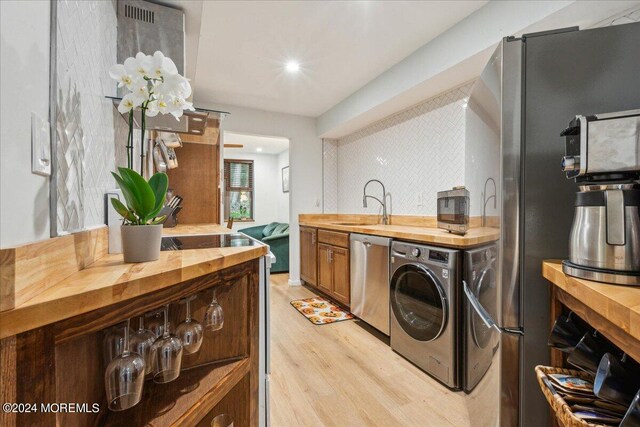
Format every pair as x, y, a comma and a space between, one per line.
343, 375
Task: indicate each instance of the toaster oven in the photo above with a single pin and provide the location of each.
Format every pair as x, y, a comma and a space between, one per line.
453, 210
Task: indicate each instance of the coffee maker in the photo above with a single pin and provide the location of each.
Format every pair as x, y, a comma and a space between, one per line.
602, 155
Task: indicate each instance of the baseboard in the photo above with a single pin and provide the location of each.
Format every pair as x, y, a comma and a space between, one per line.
295, 282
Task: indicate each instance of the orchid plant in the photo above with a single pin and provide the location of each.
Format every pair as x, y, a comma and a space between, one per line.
155, 88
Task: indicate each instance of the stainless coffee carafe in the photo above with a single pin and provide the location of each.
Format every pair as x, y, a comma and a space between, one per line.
603, 155
605, 234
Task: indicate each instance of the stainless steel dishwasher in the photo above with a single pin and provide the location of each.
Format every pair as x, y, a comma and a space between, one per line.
370, 280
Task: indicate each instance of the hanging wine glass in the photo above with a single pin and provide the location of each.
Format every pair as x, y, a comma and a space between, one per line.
141, 342
156, 323
168, 354
124, 378
112, 344
214, 317
190, 331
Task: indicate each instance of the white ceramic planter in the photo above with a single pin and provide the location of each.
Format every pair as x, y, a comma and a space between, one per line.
141, 243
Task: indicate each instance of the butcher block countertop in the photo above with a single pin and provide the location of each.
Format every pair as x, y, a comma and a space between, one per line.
612, 309
108, 280
416, 229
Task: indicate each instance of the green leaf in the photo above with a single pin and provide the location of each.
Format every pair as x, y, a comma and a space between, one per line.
146, 197
153, 214
158, 220
130, 197
122, 210
133, 189
159, 184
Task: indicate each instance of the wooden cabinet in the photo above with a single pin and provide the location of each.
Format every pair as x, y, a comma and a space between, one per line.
341, 274
309, 255
333, 272
63, 361
325, 270
324, 262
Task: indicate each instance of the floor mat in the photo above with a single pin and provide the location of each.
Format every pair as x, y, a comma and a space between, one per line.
321, 311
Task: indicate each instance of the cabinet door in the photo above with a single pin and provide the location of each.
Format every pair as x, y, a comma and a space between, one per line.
341, 282
325, 269
308, 255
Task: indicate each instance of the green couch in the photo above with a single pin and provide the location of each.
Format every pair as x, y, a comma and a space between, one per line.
276, 235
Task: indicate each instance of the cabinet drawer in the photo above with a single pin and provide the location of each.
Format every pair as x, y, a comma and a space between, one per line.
334, 238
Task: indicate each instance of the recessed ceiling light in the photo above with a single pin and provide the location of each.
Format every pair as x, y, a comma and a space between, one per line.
292, 67
259, 150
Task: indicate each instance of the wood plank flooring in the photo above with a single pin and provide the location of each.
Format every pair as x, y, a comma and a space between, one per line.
345, 374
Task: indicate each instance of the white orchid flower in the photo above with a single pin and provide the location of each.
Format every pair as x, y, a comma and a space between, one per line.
162, 66
155, 85
183, 104
129, 102
140, 66
163, 106
177, 105
152, 108
175, 85
140, 89
120, 74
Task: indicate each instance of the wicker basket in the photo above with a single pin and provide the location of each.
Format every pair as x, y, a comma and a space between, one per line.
563, 412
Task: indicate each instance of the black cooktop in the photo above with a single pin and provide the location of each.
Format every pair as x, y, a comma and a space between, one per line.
203, 241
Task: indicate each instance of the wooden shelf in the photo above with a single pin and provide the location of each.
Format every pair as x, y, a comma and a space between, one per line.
613, 310
184, 401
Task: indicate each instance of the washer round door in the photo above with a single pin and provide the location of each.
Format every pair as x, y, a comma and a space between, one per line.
418, 302
486, 292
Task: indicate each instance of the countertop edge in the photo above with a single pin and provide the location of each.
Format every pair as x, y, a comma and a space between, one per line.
447, 240
29, 315
610, 300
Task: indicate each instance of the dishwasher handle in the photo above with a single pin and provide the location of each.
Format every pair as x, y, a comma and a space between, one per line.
369, 240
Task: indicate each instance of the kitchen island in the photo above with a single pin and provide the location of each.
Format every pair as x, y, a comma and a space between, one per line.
52, 342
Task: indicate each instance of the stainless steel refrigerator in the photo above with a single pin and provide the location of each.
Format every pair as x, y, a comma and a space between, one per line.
527, 94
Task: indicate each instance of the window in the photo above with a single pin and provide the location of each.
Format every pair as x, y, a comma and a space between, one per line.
238, 179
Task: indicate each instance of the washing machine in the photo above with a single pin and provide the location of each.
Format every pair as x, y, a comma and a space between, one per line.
424, 305
479, 342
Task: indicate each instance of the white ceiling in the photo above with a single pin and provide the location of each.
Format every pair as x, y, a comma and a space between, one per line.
268, 144
340, 46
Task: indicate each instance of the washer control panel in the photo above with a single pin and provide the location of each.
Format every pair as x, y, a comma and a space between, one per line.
421, 253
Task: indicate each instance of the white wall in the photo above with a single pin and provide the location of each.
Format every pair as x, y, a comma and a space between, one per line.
305, 157
86, 49
24, 197
282, 198
267, 185
415, 153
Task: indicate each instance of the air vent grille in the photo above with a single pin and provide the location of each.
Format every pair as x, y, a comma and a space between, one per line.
139, 14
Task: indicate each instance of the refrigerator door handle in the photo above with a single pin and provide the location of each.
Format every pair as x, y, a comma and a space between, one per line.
484, 315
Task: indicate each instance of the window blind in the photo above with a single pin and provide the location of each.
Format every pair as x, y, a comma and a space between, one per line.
238, 175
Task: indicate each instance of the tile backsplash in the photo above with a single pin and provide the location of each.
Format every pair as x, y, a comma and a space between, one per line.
87, 126
330, 175
415, 153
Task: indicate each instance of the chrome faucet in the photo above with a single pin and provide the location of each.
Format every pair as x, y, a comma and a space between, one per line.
485, 200
385, 217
